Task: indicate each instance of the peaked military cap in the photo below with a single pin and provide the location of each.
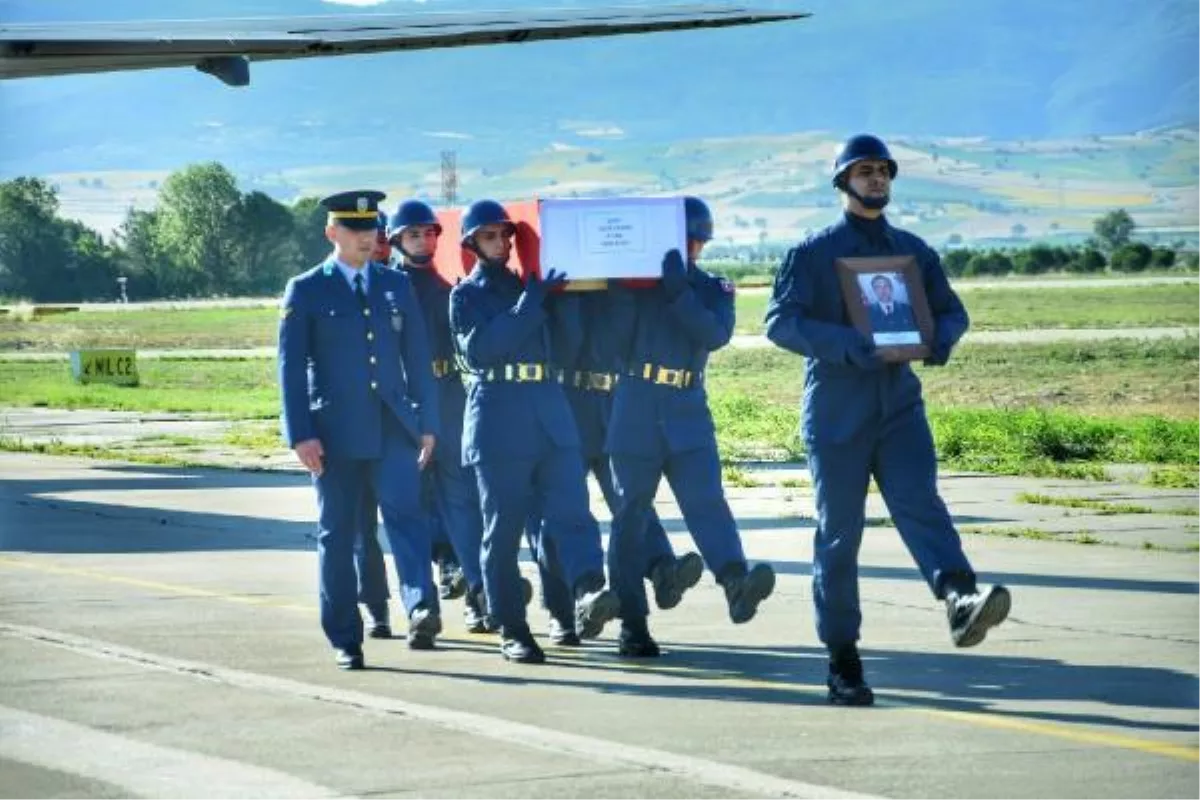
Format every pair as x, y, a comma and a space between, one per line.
357, 210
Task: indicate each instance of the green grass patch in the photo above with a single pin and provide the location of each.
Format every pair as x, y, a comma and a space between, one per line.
157, 329
133, 452
987, 408
1099, 507
1032, 534
1099, 306
733, 475
1174, 477
991, 309
992, 441
238, 389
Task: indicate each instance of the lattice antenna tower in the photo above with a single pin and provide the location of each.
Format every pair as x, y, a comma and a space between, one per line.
449, 178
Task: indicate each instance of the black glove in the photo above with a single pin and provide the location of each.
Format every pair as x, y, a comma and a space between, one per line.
939, 353
538, 288
674, 275
863, 355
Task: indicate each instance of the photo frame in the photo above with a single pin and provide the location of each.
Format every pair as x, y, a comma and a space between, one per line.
885, 299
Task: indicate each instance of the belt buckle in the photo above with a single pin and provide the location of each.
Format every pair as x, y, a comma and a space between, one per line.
600, 381
529, 372
669, 377
440, 368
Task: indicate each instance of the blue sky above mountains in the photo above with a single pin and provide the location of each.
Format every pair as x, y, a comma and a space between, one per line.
1004, 70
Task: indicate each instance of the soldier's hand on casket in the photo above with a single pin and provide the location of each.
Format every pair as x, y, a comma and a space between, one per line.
311, 455
537, 288
674, 274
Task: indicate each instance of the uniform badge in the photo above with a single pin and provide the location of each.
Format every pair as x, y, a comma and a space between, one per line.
727, 285
363, 203
397, 317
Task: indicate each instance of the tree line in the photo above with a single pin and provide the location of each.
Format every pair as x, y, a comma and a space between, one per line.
206, 238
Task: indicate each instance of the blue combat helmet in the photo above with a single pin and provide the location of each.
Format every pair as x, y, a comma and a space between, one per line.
483, 212
699, 219
862, 147
410, 213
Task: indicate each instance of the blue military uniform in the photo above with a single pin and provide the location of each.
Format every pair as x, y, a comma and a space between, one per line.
521, 439
454, 493
354, 373
590, 378
861, 417
661, 425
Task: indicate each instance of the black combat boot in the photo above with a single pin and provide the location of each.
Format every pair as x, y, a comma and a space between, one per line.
672, 577
635, 641
518, 645
423, 627
378, 622
595, 606
562, 633
745, 590
971, 612
847, 687
349, 657
475, 616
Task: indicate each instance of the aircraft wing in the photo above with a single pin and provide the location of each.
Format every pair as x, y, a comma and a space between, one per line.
224, 47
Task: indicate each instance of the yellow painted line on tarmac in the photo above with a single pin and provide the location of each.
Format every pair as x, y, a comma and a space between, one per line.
984, 719
1085, 736
167, 588
1070, 733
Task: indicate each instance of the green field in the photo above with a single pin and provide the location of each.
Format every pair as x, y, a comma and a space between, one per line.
1047, 409
1000, 407
1169, 305
991, 309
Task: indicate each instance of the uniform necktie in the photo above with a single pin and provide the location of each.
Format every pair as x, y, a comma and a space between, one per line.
359, 292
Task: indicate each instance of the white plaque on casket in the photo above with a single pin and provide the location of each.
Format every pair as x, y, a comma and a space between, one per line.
611, 237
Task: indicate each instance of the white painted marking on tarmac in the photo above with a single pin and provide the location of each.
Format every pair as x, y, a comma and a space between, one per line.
736, 780
146, 770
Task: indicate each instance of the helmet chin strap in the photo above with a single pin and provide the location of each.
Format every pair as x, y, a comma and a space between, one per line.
496, 263
873, 203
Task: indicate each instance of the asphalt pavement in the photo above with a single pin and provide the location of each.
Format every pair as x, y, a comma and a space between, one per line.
159, 638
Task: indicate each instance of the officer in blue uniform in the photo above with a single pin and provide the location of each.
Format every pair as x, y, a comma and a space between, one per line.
413, 230
862, 417
519, 435
661, 425
360, 410
590, 380
373, 589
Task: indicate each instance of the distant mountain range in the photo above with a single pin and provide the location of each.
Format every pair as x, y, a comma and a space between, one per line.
922, 71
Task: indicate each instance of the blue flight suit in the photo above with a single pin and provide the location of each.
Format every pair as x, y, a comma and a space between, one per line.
452, 486
661, 425
358, 379
369, 563
520, 437
861, 417
590, 378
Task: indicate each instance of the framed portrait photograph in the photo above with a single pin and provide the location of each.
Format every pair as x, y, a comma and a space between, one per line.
885, 299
